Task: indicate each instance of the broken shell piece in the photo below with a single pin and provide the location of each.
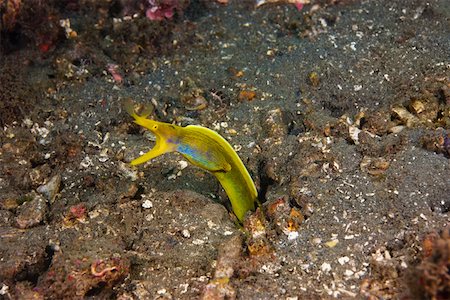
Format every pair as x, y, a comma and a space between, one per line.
128, 172
417, 106
396, 129
332, 243
374, 166
354, 133
51, 188
196, 103
405, 116
314, 79
104, 155
361, 115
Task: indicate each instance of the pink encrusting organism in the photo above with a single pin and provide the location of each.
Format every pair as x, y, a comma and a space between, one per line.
159, 10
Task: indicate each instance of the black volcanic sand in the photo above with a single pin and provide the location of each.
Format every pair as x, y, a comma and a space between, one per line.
340, 111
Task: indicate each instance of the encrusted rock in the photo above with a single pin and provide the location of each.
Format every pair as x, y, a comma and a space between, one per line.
5, 217
405, 116
31, 213
377, 122
374, 166
229, 254
274, 124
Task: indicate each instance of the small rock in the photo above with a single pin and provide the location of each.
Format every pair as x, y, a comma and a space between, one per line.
405, 116
32, 213
354, 134
325, 267
8, 203
396, 129
377, 122
128, 172
332, 243
274, 124
316, 241
314, 79
230, 253
246, 95
22, 254
147, 204
374, 166
185, 233
348, 273
343, 260
417, 106
5, 217
51, 188
183, 164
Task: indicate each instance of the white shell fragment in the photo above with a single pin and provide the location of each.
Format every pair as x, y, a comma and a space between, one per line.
147, 204
325, 267
51, 188
405, 116
354, 133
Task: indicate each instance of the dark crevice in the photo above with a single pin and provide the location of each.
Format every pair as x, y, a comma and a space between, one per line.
49, 253
95, 291
295, 204
138, 194
32, 274
295, 124
28, 276
440, 95
442, 208
265, 181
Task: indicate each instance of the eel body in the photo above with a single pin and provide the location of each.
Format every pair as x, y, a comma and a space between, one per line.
208, 150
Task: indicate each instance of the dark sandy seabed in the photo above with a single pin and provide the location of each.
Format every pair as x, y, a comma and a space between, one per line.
341, 113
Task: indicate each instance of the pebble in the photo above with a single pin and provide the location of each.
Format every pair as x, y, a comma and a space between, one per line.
230, 253
31, 213
5, 217
316, 241
147, 204
51, 188
325, 267
292, 235
343, 260
183, 164
348, 273
332, 243
185, 233
198, 242
161, 291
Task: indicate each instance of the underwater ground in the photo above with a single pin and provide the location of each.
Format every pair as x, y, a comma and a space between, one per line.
340, 111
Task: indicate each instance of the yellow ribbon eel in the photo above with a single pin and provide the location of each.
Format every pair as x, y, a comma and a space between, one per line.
206, 149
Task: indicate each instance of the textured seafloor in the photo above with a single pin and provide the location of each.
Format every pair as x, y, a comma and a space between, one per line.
340, 111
